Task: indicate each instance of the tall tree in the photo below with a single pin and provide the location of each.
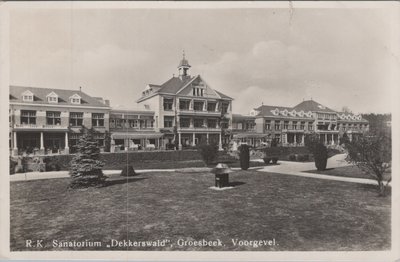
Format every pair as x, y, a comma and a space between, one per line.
85, 167
372, 153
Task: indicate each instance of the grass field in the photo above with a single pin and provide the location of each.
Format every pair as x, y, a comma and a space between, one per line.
346, 171
301, 214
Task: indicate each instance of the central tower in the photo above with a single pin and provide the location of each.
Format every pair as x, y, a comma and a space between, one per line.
183, 67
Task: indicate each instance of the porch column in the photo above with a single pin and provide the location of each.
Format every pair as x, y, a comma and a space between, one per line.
194, 138
220, 142
295, 138
179, 141
302, 139
207, 138
15, 140
15, 145
66, 148
326, 139
41, 141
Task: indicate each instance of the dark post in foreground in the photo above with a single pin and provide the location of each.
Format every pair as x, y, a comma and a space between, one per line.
221, 172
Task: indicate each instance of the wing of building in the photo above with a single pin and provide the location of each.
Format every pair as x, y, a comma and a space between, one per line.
288, 126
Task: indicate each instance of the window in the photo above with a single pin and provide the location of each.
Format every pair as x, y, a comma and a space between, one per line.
75, 100
268, 125
212, 123
286, 125
224, 108
198, 106
184, 104
211, 106
52, 99
168, 121
184, 122
28, 98
28, 117
194, 91
53, 118
201, 92
75, 119
133, 123
294, 125
168, 102
240, 125
97, 119
302, 125
250, 125
277, 125
198, 122
310, 126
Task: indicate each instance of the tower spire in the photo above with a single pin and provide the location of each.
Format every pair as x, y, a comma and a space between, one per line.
183, 66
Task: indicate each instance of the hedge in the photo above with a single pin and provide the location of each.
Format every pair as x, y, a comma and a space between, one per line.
139, 160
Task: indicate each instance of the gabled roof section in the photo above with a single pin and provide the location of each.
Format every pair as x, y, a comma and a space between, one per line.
75, 96
40, 96
52, 94
223, 96
311, 105
267, 110
27, 93
173, 85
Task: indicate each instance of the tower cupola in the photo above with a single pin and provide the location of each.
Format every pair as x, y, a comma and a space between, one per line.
183, 67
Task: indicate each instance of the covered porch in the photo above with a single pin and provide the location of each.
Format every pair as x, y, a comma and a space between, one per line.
121, 141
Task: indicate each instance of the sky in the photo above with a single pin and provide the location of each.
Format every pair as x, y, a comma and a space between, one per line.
337, 57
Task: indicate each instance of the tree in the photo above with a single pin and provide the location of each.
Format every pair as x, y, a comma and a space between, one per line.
244, 156
372, 153
320, 152
107, 141
86, 168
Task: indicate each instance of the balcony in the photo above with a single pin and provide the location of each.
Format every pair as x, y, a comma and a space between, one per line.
200, 129
40, 127
198, 112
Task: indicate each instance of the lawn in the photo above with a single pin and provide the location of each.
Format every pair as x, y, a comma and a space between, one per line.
301, 214
346, 171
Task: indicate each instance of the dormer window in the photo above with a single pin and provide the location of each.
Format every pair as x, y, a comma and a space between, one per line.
27, 96
52, 98
75, 99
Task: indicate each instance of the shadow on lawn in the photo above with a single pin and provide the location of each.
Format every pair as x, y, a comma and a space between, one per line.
236, 183
123, 180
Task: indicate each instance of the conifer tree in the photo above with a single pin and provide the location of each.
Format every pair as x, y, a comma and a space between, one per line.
85, 167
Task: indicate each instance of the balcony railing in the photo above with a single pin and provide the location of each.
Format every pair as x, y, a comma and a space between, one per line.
34, 126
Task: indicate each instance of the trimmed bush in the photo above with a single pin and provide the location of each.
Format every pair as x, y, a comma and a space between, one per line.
303, 158
267, 160
274, 160
208, 152
292, 157
244, 157
128, 171
320, 157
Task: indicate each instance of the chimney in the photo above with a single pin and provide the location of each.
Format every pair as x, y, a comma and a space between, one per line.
107, 102
80, 89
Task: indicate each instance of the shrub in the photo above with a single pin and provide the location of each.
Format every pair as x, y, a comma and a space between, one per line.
303, 158
208, 152
372, 153
292, 157
128, 171
86, 168
244, 157
274, 160
13, 164
267, 160
320, 156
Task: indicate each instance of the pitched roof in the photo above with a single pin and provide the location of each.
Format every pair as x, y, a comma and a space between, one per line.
266, 110
239, 117
311, 105
223, 95
63, 96
173, 85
